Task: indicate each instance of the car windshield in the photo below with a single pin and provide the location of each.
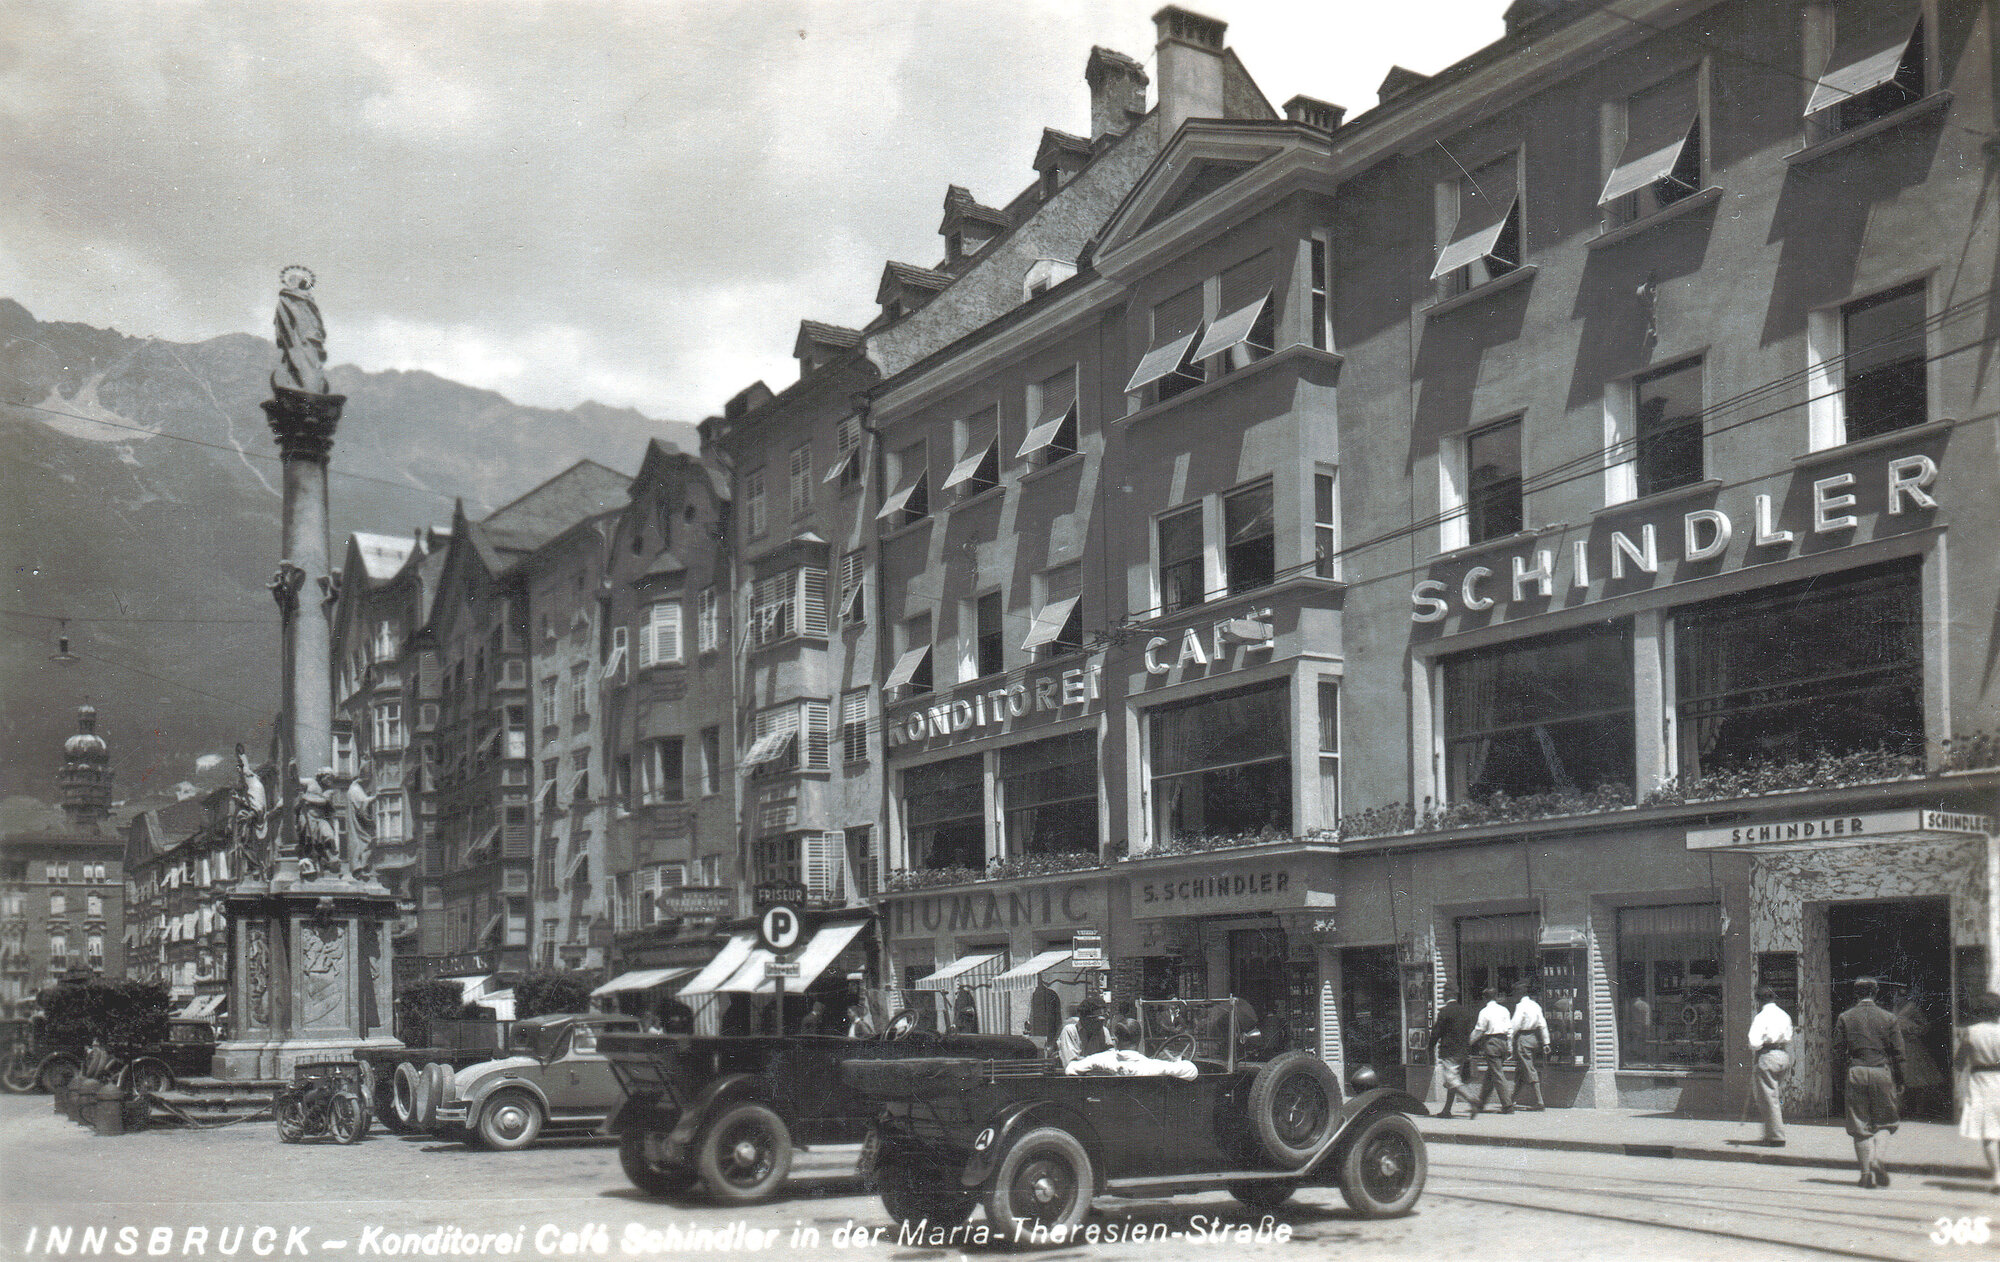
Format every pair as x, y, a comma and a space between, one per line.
1212, 1024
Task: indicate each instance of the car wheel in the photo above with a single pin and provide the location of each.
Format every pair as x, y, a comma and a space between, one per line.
347, 1117
654, 1178
150, 1077
57, 1071
510, 1120
291, 1115
910, 1195
1264, 1193
432, 1084
1292, 1106
399, 1102
1044, 1181
1383, 1170
745, 1153
19, 1075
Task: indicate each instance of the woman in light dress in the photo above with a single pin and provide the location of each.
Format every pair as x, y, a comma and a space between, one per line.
1979, 1060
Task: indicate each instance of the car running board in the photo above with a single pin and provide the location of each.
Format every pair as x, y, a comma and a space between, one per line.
1169, 1185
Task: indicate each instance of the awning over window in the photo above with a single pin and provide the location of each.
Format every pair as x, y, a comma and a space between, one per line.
826, 944
900, 500
575, 862
1050, 620
640, 979
1232, 329
726, 961
471, 988
201, 1008
1160, 361
492, 925
770, 747
964, 470
840, 463
1474, 238
1043, 435
961, 969
1868, 50
1653, 148
906, 667
1024, 976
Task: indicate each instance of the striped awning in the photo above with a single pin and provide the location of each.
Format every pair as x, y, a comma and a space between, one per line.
640, 979
1025, 975
960, 969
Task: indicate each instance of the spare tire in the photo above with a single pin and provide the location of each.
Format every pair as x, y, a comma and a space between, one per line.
433, 1084
400, 1115
1294, 1103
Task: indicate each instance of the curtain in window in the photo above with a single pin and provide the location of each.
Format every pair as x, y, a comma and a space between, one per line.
1219, 731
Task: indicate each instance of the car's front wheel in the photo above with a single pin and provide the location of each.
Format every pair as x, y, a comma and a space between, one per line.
1382, 1172
510, 1120
911, 1194
1043, 1183
745, 1154
654, 1178
1264, 1193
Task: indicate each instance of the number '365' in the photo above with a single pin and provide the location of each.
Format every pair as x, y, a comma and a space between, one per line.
1962, 1230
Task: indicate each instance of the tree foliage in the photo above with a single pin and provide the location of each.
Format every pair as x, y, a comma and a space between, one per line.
541, 993
120, 1012
422, 1002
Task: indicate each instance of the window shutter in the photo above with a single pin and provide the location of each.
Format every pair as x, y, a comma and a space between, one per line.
645, 653
824, 858
667, 633
818, 719
812, 602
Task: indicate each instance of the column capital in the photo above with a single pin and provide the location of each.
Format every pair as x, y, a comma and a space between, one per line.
303, 423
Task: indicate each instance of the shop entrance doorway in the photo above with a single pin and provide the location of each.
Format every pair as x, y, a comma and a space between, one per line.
1371, 1009
1906, 945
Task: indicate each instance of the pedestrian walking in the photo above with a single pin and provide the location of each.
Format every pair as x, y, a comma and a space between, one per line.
1451, 1043
1492, 1046
1979, 1059
1530, 1028
1771, 1062
1867, 1040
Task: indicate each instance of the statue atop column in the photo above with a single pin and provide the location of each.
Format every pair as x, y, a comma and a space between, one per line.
301, 335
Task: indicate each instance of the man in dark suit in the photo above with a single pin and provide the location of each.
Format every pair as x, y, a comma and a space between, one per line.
1451, 1042
1868, 1041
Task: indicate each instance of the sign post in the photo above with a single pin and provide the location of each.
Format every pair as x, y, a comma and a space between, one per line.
779, 930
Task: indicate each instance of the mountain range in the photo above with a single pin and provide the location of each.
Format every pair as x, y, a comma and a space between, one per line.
139, 500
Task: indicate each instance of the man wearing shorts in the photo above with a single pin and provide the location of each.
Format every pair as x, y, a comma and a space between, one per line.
1867, 1039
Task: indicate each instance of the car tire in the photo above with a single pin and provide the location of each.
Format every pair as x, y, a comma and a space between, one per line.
400, 1100
744, 1154
56, 1072
1382, 1172
19, 1076
150, 1077
432, 1085
1264, 1193
1293, 1105
1044, 1181
654, 1178
911, 1194
291, 1117
347, 1117
509, 1121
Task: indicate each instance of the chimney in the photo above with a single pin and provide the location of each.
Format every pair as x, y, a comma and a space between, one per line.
1314, 113
1117, 93
1190, 62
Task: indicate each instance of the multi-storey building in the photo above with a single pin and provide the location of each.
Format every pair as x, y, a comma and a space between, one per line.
178, 863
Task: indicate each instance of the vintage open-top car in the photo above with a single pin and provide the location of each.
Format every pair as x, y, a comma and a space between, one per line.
726, 1110
1033, 1144
555, 1077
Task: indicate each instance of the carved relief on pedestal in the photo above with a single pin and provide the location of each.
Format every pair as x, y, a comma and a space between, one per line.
322, 972
257, 968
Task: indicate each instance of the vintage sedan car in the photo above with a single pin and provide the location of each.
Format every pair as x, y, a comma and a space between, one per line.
1033, 1145
556, 1078
188, 1052
725, 1111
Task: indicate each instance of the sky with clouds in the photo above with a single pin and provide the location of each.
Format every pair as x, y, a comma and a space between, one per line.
592, 199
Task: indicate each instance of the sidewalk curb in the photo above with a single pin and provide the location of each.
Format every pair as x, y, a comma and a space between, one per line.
1930, 1168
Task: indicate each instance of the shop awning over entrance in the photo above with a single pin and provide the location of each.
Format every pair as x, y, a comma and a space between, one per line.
640, 979
960, 969
828, 942
203, 1006
718, 970
1025, 975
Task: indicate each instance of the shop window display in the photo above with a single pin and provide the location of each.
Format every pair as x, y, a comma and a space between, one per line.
1670, 986
1495, 951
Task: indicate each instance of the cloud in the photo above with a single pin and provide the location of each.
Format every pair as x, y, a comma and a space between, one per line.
208, 762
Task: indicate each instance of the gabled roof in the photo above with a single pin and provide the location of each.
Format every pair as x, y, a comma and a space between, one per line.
924, 280
585, 489
1205, 157
659, 453
1398, 81
1054, 142
959, 207
383, 556
813, 333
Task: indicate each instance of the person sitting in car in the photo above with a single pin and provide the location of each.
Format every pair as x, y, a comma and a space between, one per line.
1127, 1061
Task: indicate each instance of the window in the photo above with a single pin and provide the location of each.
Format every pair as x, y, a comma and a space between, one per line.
861, 859
1483, 243
1880, 378
658, 765
1053, 435
775, 860
823, 867
1496, 952
390, 822
550, 713
853, 581
1660, 161
708, 622
1244, 328
711, 761
579, 776
614, 662
660, 635
796, 735
1250, 554
1667, 404
1221, 765
1326, 527
846, 468
1320, 271
800, 480
58, 951
1492, 500
579, 693
58, 904
1329, 752
1874, 64
789, 603
943, 814
1048, 796
978, 467
517, 739
753, 503
1182, 582
387, 718
910, 501
1170, 367
385, 641
980, 631
913, 665
514, 673
1552, 713
1670, 986
93, 906
1058, 626
1829, 666
854, 725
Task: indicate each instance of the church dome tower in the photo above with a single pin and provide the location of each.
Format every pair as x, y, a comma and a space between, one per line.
86, 774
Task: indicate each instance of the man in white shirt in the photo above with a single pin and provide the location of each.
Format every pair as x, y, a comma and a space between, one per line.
1531, 1035
1126, 1061
1492, 1044
1771, 1056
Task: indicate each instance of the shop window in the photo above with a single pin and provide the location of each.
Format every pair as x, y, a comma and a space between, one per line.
1182, 581
1548, 714
1827, 666
1480, 227
1670, 987
1221, 765
1495, 952
1250, 541
1875, 64
1048, 794
942, 807
1661, 161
